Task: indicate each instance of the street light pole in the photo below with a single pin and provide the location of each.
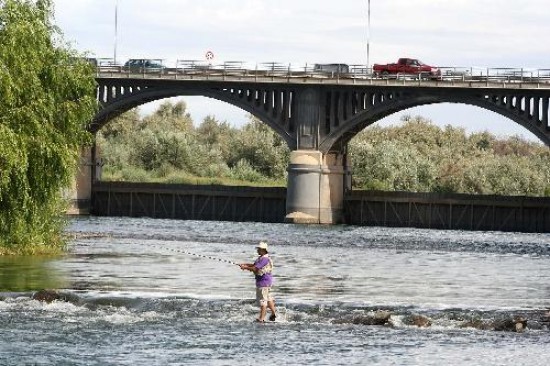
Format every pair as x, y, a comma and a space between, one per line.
368, 34
116, 30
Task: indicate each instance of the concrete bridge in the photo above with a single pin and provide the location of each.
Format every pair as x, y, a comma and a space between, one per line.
318, 114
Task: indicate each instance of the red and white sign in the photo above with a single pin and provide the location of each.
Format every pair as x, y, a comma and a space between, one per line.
209, 55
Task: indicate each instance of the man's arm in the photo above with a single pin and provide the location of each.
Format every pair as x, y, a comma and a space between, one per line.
248, 267
256, 266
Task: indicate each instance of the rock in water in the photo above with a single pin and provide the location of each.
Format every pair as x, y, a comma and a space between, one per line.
46, 296
420, 321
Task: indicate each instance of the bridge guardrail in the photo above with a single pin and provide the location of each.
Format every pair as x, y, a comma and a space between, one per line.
278, 70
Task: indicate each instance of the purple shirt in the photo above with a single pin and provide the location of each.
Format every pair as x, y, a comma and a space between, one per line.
265, 279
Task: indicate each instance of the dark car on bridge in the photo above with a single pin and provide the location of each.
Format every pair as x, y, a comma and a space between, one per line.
331, 69
143, 65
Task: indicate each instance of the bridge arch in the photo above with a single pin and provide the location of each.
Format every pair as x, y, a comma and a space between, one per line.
115, 100
530, 111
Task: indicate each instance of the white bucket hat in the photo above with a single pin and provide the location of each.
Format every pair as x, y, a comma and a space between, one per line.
262, 245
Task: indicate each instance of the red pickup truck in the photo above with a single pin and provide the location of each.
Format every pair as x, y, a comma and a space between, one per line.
407, 66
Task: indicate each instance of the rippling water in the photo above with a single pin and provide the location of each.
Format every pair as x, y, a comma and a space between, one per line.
133, 294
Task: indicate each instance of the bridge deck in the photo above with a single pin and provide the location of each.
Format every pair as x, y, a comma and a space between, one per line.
494, 80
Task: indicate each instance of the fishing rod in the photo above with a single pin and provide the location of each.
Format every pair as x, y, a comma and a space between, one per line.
199, 255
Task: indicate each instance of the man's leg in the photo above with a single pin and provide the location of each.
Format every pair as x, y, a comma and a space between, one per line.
261, 298
271, 304
263, 308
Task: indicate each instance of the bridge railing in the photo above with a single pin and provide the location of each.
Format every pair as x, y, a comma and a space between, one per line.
279, 71
497, 74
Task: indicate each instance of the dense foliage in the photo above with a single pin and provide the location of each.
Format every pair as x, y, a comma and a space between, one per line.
165, 146
414, 156
418, 156
47, 98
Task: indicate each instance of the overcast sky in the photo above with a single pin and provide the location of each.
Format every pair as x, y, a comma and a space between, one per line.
479, 33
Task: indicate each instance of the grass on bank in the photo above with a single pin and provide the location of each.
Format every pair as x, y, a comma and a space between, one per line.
136, 174
41, 234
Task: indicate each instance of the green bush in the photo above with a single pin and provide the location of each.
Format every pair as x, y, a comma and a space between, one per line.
243, 170
419, 156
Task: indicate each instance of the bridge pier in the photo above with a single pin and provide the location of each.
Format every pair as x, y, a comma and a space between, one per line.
80, 193
315, 189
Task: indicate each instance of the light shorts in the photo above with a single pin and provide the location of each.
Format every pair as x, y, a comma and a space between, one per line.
263, 295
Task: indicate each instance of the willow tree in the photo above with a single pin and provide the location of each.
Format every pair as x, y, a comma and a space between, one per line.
46, 99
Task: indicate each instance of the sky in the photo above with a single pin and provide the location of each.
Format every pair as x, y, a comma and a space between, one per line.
462, 33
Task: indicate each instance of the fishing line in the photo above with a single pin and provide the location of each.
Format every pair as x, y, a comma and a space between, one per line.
198, 255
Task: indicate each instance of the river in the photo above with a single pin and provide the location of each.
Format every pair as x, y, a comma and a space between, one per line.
152, 292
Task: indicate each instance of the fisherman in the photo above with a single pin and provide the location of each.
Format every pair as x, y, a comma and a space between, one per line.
262, 269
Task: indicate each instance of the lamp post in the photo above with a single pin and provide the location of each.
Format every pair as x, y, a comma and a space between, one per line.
368, 34
116, 31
